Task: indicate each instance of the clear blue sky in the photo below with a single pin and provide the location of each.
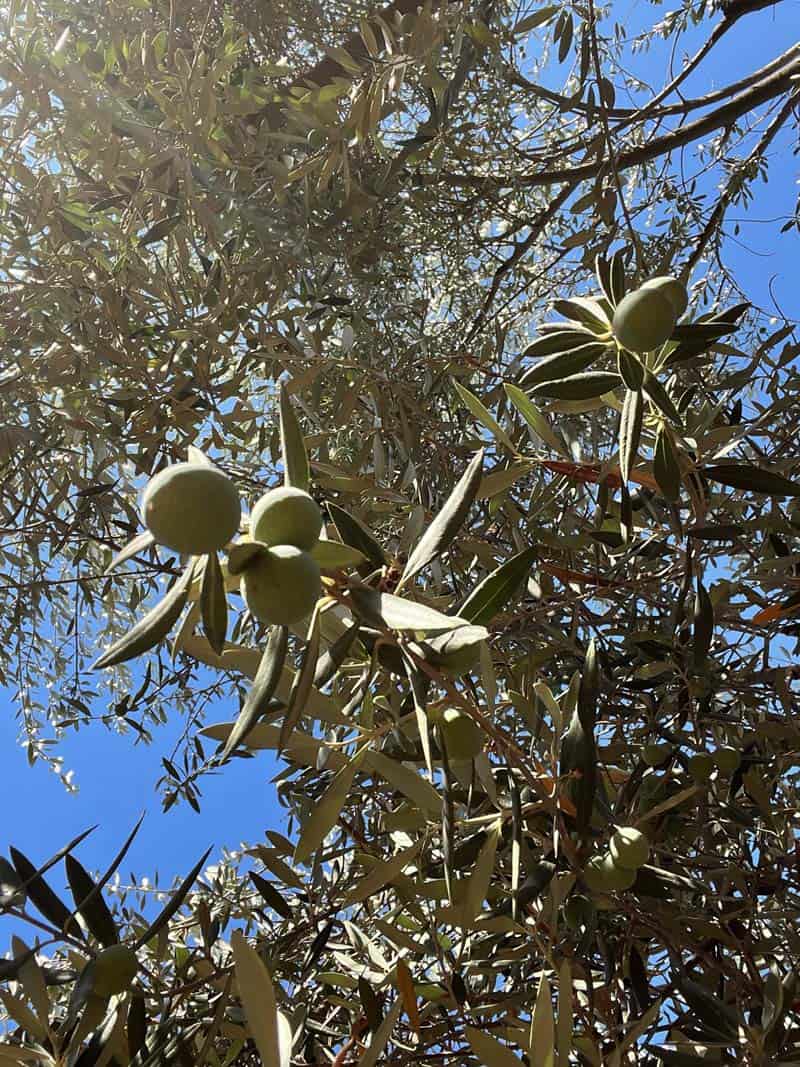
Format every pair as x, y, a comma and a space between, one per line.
116, 779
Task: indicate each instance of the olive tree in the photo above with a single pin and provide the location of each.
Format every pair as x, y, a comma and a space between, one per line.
457, 277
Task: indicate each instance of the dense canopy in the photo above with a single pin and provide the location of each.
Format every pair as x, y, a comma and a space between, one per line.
536, 741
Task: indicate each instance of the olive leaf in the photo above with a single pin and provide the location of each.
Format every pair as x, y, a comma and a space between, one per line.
356, 535
151, 629
754, 479
406, 780
480, 879
244, 554
333, 555
448, 522
498, 588
326, 812
90, 904
260, 694
563, 364
665, 465
270, 895
543, 1028
489, 1051
702, 624
139, 543
293, 450
332, 658
42, 896
258, 999
397, 613
557, 341
585, 386
175, 901
630, 431
214, 603
303, 681
484, 416
661, 398
631, 369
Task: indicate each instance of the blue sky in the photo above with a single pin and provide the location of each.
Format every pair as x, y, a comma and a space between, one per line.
116, 779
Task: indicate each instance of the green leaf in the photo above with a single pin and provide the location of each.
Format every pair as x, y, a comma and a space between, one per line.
489, 1051
558, 339
332, 659
153, 628
481, 877
565, 1024
90, 904
293, 449
139, 544
380, 1038
538, 18
383, 873
702, 624
42, 896
665, 465
356, 535
303, 682
159, 230
580, 386
172, 905
482, 414
494, 592
631, 369
406, 780
270, 895
396, 613
334, 556
588, 312
448, 522
534, 418
262, 690
661, 398
326, 812
543, 1029
754, 479
563, 364
214, 603
258, 1000
630, 431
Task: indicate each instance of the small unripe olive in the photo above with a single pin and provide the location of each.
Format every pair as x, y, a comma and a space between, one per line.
462, 735
656, 752
643, 320
286, 516
191, 508
578, 911
727, 760
602, 875
673, 289
701, 766
282, 585
629, 848
113, 970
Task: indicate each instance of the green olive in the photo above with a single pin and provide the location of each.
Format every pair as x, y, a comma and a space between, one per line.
727, 760
578, 911
282, 585
286, 516
643, 320
656, 752
701, 766
462, 735
602, 875
113, 970
673, 289
191, 508
629, 848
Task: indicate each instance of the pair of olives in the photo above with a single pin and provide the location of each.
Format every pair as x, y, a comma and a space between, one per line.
644, 319
725, 759
616, 869
195, 509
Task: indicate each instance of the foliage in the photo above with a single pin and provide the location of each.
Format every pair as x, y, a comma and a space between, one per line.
378, 256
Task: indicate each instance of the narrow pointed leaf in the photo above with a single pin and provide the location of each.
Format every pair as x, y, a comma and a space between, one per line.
382, 874
630, 431
380, 1039
481, 877
483, 415
586, 386
665, 466
534, 418
139, 544
753, 479
332, 659
261, 691
405, 983
258, 999
356, 535
151, 629
498, 588
173, 904
42, 896
397, 613
562, 365
447, 523
418, 790
702, 624
543, 1030
270, 895
631, 369
661, 398
489, 1051
293, 449
324, 816
333, 555
214, 603
302, 684
90, 904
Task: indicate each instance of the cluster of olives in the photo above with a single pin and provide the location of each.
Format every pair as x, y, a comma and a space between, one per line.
701, 765
644, 319
195, 509
616, 869
282, 584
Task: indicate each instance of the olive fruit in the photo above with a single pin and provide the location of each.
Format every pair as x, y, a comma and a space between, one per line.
456, 652
643, 320
602, 875
578, 911
673, 289
191, 508
462, 735
701, 766
113, 970
286, 516
727, 760
281, 585
656, 752
629, 848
